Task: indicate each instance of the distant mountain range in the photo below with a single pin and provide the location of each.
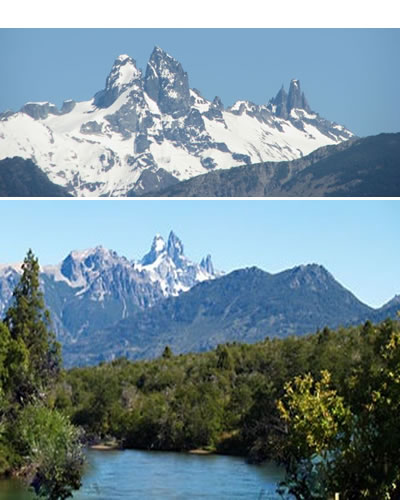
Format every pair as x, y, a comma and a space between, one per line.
145, 132
96, 287
104, 306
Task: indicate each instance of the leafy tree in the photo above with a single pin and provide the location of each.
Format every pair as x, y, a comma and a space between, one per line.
347, 446
51, 450
28, 321
318, 422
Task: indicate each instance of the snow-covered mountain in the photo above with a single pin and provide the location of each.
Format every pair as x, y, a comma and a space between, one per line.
144, 132
94, 287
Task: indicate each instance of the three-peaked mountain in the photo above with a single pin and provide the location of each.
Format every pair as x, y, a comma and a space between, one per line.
105, 306
144, 132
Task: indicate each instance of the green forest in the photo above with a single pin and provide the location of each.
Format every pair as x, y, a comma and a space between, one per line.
325, 406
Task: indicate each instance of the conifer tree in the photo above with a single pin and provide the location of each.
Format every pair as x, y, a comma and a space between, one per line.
28, 321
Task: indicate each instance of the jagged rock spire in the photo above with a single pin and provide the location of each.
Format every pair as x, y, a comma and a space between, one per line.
296, 98
207, 264
175, 248
286, 102
167, 84
280, 101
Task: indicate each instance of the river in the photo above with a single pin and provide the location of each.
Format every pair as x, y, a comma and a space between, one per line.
151, 475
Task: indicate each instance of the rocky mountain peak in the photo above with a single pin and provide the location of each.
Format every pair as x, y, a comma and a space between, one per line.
284, 102
296, 98
167, 83
157, 248
280, 103
314, 276
207, 265
175, 248
123, 75
217, 103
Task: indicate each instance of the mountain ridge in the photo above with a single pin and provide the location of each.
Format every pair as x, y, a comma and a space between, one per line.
144, 132
245, 305
104, 305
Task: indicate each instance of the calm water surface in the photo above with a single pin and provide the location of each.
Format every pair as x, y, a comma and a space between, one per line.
132, 474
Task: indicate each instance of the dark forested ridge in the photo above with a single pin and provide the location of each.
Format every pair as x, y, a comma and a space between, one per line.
22, 178
245, 305
368, 166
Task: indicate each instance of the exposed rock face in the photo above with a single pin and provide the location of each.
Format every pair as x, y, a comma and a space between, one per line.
296, 98
207, 264
40, 110
68, 106
167, 84
280, 101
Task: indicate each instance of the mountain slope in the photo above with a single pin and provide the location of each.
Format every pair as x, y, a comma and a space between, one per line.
143, 132
246, 305
260, 179
358, 167
371, 167
22, 178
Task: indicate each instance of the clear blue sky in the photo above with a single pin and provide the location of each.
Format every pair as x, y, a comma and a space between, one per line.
350, 76
357, 241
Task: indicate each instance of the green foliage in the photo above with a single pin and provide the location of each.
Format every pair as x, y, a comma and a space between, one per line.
318, 423
347, 444
36, 442
51, 450
29, 323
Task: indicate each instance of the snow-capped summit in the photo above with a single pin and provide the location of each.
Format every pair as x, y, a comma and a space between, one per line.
167, 265
283, 103
157, 248
145, 132
82, 267
124, 74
